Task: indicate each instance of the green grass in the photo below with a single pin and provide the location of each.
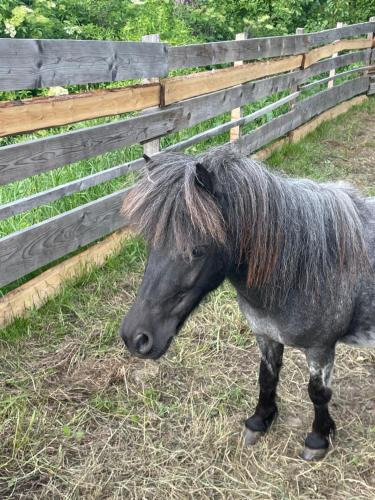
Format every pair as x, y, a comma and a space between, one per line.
80, 418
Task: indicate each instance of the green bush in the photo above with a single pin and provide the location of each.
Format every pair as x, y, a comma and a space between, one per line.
177, 21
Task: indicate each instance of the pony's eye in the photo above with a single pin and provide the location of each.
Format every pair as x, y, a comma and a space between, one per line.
198, 252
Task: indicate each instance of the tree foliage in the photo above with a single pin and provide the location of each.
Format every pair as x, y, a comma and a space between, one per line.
177, 21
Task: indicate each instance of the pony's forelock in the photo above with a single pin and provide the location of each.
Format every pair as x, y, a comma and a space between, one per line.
169, 208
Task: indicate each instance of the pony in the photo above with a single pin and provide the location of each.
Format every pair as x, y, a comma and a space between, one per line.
300, 254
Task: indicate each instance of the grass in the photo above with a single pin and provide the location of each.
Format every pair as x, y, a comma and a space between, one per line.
80, 418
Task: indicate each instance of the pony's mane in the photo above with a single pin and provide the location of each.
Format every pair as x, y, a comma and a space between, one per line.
291, 233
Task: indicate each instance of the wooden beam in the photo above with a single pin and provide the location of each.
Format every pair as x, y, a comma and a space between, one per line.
300, 132
182, 87
304, 111
335, 47
55, 193
22, 160
37, 291
29, 249
327, 36
27, 115
362, 69
339, 61
26, 64
206, 54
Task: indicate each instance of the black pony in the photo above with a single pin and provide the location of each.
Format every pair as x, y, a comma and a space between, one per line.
300, 254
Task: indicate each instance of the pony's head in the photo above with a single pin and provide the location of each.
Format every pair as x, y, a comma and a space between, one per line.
175, 208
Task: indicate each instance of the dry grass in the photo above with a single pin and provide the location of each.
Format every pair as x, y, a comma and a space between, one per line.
79, 418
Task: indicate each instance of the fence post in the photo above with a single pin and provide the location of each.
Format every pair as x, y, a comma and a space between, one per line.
235, 132
151, 147
371, 35
371, 60
333, 71
294, 88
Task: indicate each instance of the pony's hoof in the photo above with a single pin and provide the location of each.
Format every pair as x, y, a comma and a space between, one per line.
311, 454
252, 437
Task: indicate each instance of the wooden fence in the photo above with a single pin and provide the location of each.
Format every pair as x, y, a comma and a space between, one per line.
289, 63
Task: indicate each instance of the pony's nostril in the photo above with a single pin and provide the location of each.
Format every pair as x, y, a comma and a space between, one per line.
143, 343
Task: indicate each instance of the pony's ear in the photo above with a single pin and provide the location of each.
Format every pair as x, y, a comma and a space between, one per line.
203, 178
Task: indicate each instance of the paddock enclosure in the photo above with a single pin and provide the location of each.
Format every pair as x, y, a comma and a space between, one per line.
79, 418
292, 82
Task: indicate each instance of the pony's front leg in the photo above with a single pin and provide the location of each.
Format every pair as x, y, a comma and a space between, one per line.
320, 363
266, 410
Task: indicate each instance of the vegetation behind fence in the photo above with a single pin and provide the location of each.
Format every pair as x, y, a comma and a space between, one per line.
290, 71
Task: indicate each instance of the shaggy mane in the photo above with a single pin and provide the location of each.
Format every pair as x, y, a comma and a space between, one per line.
291, 233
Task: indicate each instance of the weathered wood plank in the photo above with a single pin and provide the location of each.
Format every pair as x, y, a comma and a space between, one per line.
76, 186
29, 249
182, 87
34, 114
300, 132
303, 112
335, 76
23, 160
37, 291
337, 62
327, 36
335, 47
198, 109
44, 63
212, 132
189, 56
204, 54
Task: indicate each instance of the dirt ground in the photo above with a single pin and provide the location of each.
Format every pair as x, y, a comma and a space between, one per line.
79, 418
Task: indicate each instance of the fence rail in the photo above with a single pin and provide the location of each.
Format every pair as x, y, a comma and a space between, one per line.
29, 64
34, 114
294, 64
